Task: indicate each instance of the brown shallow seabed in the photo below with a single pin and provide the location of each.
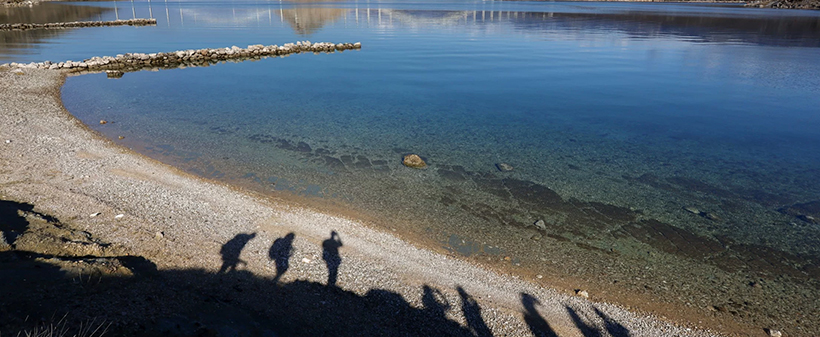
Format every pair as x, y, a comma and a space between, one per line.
161, 258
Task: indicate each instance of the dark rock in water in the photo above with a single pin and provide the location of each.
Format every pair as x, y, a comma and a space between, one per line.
808, 212
808, 218
102, 121
711, 216
303, 147
414, 161
692, 210
504, 167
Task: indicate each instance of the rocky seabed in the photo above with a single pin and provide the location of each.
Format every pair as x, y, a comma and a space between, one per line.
76, 24
115, 66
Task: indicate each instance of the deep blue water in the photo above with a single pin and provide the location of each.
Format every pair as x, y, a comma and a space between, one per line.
645, 107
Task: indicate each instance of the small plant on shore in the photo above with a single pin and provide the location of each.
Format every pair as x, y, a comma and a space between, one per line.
61, 329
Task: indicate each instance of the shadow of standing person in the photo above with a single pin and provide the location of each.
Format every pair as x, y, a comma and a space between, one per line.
538, 325
280, 253
330, 253
230, 252
472, 314
434, 302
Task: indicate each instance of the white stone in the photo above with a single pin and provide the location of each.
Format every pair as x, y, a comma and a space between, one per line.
119, 216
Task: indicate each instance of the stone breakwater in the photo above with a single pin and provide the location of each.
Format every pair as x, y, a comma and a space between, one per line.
76, 24
115, 66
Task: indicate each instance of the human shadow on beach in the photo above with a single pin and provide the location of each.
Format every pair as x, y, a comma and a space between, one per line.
434, 301
230, 252
472, 314
537, 324
280, 253
196, 302
330, 253
13, 222
614, 328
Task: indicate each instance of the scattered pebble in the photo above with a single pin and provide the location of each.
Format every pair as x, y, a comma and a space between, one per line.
119, 216
504, 167
102, 121
159, 235
774, 333
94, 214
414, 161
121, 137
539, 276
305, 260
507, 258
8, 141
541, 224
536, 237
582, 293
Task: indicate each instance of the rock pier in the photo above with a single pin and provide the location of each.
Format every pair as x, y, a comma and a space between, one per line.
76, 24
115, 66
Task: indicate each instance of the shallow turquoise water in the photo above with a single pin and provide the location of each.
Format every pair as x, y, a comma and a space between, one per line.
614, 115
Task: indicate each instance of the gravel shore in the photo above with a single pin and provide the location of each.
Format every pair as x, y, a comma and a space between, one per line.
187, 228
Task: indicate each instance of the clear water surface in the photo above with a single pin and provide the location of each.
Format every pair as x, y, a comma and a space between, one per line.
620, 119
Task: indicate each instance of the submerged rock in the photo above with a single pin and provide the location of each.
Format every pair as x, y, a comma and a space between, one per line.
102, 121
692, 210
541, 224
504, 167
414, 161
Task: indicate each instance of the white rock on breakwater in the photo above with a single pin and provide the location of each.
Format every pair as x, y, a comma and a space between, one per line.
76, 24
191, 57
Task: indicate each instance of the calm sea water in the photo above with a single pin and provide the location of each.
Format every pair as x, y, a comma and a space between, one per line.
619, 119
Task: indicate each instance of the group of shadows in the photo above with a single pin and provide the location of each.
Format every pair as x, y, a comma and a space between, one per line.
144, 301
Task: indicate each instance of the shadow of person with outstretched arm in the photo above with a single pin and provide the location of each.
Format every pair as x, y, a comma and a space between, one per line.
434, 302
472, 314
230, 252
330, 253
538, 325
613, 327
280, 253
586, 329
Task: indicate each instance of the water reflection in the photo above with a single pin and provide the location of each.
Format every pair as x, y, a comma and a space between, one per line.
716, 26
19, 42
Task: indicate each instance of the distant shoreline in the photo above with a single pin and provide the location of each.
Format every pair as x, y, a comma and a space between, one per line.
780, 4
